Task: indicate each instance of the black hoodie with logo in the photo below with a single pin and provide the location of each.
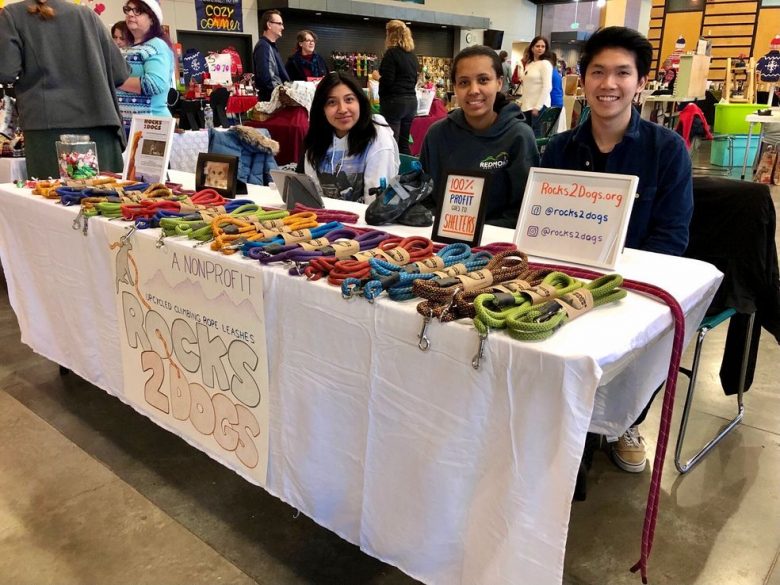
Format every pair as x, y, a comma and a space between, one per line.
506, 150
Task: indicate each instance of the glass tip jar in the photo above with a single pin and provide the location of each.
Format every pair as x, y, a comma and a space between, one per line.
77, 157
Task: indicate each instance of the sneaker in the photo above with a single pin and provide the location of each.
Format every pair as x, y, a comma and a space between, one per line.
629, 451
403, 192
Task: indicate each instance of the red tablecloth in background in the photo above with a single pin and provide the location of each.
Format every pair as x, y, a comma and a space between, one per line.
288, 127
421, 124
238, 104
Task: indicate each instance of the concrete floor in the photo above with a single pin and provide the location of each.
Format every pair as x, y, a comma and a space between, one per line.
93, 493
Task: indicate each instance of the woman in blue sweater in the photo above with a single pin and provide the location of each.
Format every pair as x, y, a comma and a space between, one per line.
151, 63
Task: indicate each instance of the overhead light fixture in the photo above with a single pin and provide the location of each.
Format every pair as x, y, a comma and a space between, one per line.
365, 18
407, 23
601, 3
444, 26
318, 14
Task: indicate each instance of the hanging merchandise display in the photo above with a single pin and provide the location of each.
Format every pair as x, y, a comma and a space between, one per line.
358, 64
236, 66
194, 66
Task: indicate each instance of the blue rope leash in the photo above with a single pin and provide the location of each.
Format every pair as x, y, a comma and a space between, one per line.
317, 232
397, 280
403, 290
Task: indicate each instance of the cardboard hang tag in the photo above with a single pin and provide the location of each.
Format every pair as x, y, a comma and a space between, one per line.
315, 244
576, 303
453, 270
432, 264
512, 286
296, 236
477, 280
345, 248
541, 293
273, 224
397, 256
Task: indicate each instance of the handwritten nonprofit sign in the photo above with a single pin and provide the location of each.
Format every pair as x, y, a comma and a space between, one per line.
460, 215
575, 216
192, 337
219, 15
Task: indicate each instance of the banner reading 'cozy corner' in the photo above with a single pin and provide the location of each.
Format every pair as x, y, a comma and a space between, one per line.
219, 15
193, 346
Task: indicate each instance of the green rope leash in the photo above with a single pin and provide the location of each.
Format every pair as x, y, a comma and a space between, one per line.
494, 309
543, 320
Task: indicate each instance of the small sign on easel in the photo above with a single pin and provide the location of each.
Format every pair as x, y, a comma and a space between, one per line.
575, 216
148, 149
460, 215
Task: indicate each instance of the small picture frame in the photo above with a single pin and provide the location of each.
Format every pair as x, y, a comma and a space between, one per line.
218, 172
461, 208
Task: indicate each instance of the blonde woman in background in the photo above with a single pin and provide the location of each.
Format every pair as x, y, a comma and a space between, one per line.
398, 71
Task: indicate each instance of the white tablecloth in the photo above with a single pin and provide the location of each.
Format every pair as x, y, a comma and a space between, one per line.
12, 169
454, 475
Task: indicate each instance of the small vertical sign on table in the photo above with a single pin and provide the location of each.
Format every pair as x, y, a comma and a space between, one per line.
460, 215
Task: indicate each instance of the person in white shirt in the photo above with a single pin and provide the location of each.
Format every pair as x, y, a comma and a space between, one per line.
348, 151
537, 81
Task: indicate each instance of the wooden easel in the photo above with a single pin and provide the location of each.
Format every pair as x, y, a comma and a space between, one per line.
733, 78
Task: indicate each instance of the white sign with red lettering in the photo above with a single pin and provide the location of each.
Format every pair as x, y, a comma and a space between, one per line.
575, 216
459, 216
219, 68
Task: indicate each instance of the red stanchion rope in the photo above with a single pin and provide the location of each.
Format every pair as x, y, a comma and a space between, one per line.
653, 496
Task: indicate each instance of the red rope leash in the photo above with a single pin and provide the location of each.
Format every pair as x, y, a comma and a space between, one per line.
418, 247
653, 496
321, 267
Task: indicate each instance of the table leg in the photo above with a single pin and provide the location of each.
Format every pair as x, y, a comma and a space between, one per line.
747, 149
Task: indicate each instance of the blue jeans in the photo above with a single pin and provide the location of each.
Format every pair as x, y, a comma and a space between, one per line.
533, 121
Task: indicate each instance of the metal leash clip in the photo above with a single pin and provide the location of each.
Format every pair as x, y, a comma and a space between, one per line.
353, 289
547, 312
477, 359
449, 304
160, 241
235, 245
425, 343
124, 239
77, 221
203, 243
298, 268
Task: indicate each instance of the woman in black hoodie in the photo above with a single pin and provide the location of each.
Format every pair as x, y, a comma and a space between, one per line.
486, 133
398, 71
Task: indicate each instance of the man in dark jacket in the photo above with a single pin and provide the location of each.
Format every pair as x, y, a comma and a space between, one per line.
614, 66
267, 64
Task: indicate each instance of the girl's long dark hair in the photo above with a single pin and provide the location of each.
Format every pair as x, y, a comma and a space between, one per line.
320, 135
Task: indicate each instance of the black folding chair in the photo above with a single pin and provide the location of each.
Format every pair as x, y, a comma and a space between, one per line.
733, 227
